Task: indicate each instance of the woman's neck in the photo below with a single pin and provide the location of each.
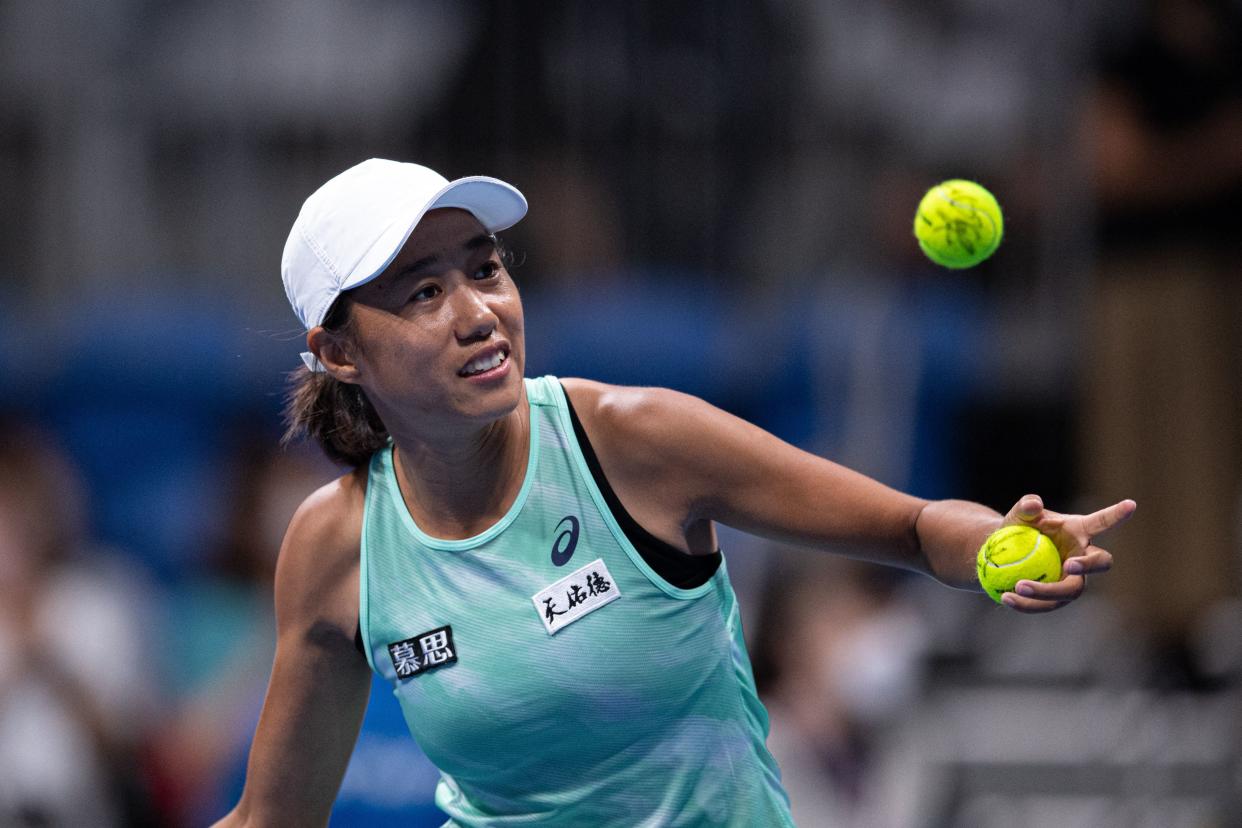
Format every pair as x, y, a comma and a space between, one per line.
457, 488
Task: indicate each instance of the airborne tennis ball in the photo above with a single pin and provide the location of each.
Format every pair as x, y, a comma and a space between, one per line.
1016, 553
958, 224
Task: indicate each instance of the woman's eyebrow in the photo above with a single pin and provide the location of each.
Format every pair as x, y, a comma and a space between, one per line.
481, 240
470, 245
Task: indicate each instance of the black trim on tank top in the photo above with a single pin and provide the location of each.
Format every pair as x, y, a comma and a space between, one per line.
678, 568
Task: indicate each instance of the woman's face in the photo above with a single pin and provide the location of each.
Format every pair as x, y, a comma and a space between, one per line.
440, 333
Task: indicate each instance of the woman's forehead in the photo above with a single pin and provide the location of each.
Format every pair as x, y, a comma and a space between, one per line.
442, 227
443, 236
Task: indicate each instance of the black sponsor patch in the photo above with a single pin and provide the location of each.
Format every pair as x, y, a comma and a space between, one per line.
425, 651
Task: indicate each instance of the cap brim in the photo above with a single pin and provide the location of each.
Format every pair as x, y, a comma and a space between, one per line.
494, 203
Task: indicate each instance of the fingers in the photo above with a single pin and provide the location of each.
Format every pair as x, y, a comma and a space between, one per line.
1066, 589
1071, 536
1033, 597
1029, 605
1095, 560
1107, 518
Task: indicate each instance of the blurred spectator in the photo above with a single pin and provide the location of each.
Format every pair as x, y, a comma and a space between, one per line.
221, 631
75, 684
1163, 424
839, 661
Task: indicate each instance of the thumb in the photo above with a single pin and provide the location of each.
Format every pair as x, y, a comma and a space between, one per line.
1029, 507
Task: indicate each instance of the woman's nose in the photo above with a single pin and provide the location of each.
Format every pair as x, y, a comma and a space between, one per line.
475, 318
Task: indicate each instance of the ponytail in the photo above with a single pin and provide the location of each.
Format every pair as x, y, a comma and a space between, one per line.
337, 415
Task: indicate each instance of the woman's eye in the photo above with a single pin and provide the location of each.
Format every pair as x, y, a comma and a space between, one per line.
423, 294
487, 270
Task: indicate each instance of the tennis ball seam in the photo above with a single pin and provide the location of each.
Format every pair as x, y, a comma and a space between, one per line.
974, 208
1034, 548
994, 237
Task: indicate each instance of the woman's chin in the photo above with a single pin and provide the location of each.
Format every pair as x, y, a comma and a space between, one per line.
495, 399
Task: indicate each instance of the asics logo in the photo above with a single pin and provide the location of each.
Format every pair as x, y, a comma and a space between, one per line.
565, 543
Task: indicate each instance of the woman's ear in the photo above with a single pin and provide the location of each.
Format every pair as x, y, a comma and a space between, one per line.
334, 353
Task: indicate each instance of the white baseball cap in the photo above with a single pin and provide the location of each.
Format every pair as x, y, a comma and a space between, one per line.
352, 227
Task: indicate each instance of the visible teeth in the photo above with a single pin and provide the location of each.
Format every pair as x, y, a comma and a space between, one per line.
478, 366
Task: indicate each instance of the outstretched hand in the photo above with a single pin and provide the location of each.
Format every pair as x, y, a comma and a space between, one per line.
1073, 536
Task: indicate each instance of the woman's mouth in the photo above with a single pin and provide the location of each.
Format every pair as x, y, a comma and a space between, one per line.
490, 360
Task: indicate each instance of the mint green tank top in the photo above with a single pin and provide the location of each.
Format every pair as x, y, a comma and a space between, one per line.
549, 673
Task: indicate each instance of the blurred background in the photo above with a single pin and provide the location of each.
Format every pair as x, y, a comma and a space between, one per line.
721, 197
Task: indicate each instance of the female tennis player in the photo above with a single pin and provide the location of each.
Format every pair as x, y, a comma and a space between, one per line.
532, 563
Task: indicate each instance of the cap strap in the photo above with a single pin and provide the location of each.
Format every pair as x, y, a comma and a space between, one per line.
312, 362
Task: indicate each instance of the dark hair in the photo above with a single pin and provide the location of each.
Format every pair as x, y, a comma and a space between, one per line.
337, 415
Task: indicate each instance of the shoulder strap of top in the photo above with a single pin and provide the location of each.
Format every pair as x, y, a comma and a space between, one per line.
671, 564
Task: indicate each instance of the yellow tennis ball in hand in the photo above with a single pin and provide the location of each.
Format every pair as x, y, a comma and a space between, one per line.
1016, 553
958, 224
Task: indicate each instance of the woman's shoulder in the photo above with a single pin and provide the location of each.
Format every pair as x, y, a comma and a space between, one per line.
331, 515
644, 430
645, 415
621, 407
316, 574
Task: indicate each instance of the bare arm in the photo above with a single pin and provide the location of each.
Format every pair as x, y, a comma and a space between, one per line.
677, 462
319, 685
681, 462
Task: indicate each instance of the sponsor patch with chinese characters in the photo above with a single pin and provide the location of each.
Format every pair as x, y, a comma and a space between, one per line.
577, 594
423, 652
